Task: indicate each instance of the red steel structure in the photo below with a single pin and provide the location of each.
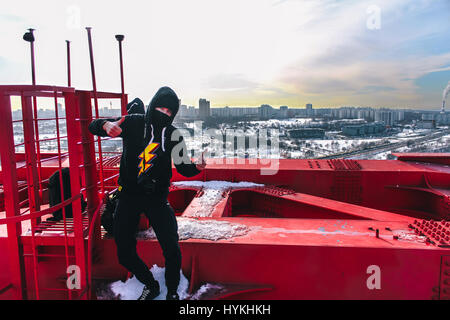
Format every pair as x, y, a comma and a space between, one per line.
317, 229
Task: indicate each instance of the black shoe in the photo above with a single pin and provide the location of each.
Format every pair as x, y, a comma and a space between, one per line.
172, 296
150, 292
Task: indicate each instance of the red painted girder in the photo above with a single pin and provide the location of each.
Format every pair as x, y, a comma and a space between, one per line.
439, 158
347, 208
323, 232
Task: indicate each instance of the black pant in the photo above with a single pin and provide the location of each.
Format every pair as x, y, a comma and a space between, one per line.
162, 219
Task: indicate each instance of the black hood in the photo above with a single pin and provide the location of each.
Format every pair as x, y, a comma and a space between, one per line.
167, 98
136, 107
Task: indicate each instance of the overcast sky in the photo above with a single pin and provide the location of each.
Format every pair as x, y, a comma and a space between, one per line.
392, 53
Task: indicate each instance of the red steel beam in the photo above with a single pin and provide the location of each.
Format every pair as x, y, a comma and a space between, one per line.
11, 198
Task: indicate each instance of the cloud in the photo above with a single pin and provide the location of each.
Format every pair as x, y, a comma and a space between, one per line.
10, 18
360, 64
229, 82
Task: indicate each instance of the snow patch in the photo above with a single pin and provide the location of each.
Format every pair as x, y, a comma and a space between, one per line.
132, 288
410, 236
202, 229
206, 289
215, 184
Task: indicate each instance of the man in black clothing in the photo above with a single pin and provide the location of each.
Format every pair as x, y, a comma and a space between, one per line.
145, 173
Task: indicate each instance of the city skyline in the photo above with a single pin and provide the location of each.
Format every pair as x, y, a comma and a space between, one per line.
392, 54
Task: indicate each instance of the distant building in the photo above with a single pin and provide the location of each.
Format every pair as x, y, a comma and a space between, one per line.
221, 112
291, 113
284, 112
426, 124
364, 129
307, 133
412, 115
428, 116
186, 113
389, 117
367, 114
183, 111
181, 114
443, 118
235, 112
309, 110
347, 113
266, 111
204, 108
399, 115
439, 117
384, 115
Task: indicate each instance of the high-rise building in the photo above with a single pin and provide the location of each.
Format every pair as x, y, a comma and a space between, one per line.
283, 112
399, 115
266, 111
183, 111
309, 110
384, 115
235, 112
204, 108
192, 112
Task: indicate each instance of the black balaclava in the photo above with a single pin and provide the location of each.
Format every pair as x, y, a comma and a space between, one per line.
136, 107
166, 98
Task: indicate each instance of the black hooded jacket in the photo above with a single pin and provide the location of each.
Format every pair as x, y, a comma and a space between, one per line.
148, 143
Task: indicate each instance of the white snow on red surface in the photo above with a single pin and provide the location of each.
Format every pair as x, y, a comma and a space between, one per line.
216, 184
202, 229
206, 289
132, 288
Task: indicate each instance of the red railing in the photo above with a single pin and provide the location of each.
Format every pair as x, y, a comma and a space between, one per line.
81, 153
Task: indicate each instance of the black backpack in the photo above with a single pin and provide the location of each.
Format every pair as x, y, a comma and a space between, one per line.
54, 194
107, 218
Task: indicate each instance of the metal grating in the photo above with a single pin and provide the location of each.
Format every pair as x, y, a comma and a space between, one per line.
344, 164
437, 232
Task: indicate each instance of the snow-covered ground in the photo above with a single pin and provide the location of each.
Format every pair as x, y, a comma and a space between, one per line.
132, 288
333, 143
191, 228
411, 133
440, 145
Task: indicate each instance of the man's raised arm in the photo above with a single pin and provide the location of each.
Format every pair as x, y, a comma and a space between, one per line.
108, 127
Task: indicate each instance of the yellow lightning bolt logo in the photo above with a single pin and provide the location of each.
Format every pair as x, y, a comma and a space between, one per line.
146, 157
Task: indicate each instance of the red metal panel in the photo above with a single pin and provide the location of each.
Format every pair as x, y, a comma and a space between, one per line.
73, 130
89, 162
296, 272
11, 197
441, 158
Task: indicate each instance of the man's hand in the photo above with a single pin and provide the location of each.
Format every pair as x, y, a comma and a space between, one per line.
200, 166
113, 129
